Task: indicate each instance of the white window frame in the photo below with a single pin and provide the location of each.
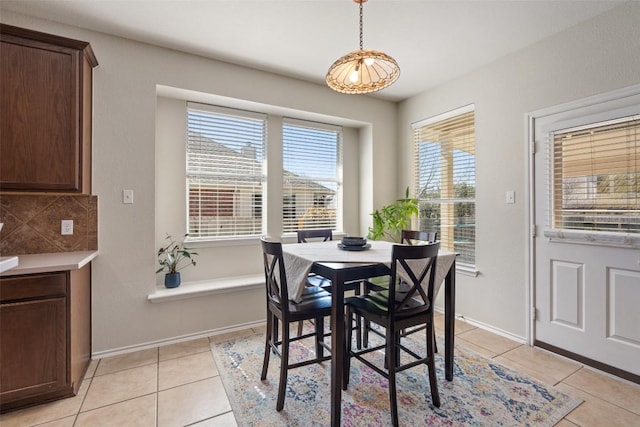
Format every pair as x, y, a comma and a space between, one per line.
254, 227
315, 178
447, 240
597, 108
270, 164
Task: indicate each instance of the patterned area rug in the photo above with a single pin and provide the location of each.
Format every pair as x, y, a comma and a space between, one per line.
482, 393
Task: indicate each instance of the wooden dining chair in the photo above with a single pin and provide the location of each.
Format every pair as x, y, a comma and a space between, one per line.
315, 304
320, 234
417, 237
306, 235
323, 235
409, 237
395, 309
412, 237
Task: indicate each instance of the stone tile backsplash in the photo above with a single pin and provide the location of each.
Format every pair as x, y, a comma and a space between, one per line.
32, 223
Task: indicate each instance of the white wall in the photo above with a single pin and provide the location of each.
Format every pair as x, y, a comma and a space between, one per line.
594, 57
124, 152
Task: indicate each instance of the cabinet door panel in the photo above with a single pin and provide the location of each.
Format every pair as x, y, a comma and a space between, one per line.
40, 101
33, 349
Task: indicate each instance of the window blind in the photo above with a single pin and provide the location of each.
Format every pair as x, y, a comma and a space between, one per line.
596, 176
225, 175
312, 176
445, 179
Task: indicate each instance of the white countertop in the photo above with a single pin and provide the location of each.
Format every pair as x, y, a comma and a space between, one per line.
7, 263
45, 263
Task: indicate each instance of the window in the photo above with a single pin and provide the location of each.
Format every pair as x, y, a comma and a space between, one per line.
444, 153
312, 179
224, 172
596, 176
289, 206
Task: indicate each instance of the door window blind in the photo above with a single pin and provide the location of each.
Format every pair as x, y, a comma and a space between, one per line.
225, 177
596, 176
445, 179
312, 178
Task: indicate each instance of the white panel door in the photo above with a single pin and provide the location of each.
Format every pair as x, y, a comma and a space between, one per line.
586, 289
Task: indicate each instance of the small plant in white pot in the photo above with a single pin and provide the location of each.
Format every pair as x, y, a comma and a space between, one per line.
173, 258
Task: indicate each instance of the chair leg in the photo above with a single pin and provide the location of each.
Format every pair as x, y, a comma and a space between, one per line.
358, 332
398, 338
366, 325
267, 347
347, 350
431, 364
358, 323
300, 325
392, 337
319, 324
274, 330
284, 364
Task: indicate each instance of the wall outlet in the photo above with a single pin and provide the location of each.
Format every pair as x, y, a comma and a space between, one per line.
66, 227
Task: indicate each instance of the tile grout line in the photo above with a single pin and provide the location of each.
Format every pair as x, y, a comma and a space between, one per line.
87, 393
157, 385
600, 398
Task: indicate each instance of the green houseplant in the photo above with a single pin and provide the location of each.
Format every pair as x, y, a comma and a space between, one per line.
390, 220
172, 258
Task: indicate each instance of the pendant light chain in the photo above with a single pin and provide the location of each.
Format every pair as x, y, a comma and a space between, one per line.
361, 44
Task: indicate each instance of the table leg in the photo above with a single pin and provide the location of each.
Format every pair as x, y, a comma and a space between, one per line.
337, 347
449, 320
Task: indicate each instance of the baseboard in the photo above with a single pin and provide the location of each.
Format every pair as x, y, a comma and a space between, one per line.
175, 340
242, 326
486, 327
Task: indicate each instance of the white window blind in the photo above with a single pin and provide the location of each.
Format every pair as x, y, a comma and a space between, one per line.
596, 177
312, 177
444, 156
225, 176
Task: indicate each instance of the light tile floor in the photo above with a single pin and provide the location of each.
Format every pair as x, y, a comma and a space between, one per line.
179, 385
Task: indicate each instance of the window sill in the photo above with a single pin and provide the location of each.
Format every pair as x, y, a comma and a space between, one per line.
467, 270
200, 288
221, 242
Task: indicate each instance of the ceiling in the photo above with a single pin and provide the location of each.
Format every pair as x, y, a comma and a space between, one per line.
433, 41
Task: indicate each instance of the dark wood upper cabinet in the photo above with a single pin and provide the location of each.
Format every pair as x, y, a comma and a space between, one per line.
45, 112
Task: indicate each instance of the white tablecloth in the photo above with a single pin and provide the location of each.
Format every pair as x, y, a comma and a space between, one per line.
299, 258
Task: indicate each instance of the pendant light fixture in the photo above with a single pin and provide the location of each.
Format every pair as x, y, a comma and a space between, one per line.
362, 71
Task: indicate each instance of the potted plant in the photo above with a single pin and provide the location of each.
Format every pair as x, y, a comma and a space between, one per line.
173, 258
390, 220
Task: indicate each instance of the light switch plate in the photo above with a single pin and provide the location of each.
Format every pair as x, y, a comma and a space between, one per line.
511, 197
127, 196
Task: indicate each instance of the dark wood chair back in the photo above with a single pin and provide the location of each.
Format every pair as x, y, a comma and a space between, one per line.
416, 266
411, 236
274, 274
321, 233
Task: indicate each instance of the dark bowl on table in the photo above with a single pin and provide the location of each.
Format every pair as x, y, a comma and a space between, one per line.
354, 241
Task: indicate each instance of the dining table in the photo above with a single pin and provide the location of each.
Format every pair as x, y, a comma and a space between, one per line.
341, 264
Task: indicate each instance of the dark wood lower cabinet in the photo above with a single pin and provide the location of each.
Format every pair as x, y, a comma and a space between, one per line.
45, 335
